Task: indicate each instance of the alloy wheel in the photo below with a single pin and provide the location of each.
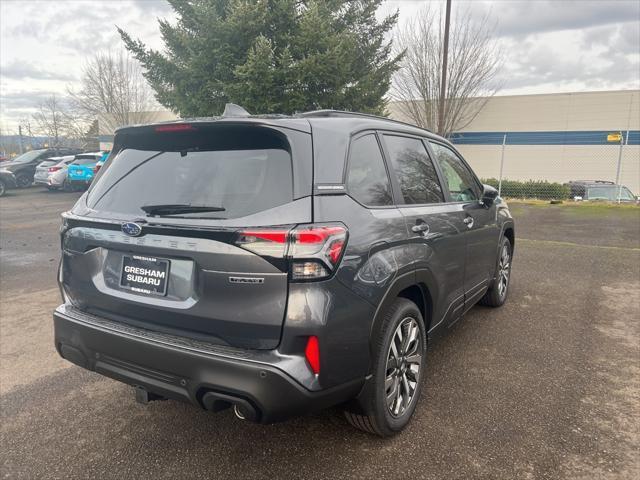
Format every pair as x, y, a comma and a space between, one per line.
504, 270
23, 181
402, 372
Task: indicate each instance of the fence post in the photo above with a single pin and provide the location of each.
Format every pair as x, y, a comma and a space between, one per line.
504, 141
623, 140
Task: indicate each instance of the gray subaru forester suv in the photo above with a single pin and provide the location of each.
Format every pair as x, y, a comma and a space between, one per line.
278, 264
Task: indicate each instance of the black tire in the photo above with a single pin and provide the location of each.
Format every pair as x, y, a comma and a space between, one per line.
3, 188
23, 180
374, 414
51, 189
499, 288
66, 186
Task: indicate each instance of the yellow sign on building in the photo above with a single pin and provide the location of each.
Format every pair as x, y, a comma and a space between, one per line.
614, 137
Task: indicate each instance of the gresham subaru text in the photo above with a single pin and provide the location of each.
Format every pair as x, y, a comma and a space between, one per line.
278, 265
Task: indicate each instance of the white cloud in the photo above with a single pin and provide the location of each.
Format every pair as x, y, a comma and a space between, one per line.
550, 45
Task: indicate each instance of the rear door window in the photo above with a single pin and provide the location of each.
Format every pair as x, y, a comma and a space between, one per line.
236, 182
458, 178
367, 179
416, 174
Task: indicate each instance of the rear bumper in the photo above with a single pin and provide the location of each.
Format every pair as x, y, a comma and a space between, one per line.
189, 373
42, 181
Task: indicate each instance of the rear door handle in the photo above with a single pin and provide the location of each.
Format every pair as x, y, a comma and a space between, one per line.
421, 227
468, 221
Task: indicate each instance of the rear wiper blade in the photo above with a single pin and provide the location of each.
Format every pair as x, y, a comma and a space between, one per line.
177, 209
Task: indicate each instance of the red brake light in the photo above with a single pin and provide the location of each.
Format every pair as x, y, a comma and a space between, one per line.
269, 242
54, 169
325, 243
316, 234
312, 354
335, 250
175, 127
315, 250
278, 236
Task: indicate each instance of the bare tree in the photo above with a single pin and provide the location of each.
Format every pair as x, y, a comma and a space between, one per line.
474, 60
113, 91
57, 119
51, 119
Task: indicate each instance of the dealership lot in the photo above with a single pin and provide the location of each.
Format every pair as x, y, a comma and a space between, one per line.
546, 387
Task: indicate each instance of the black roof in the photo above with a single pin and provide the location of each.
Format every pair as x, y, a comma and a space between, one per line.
343, 114
234, 113
591, 182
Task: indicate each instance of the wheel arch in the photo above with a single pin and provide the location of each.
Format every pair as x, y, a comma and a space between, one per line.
406, 286
510, 234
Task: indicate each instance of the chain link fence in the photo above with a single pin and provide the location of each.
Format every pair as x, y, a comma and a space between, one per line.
560, 165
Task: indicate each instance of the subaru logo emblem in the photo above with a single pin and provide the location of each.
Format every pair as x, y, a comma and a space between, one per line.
131, 229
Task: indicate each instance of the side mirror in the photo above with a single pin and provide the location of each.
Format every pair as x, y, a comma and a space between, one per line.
489, 195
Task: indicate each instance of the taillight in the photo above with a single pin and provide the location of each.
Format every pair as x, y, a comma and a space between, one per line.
175, 127
264, 242
54, 169
313, 250
312, 354
316, 250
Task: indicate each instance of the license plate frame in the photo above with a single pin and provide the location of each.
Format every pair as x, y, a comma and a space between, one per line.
137, 280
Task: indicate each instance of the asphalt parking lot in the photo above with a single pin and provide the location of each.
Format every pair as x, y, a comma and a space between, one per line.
546, 387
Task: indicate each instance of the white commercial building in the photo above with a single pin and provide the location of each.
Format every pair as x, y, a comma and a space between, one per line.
555, 137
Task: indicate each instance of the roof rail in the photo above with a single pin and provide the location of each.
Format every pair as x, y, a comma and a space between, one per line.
344, 114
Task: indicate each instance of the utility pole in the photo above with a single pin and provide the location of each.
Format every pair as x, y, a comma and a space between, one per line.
20, 138
504, 144
445, 54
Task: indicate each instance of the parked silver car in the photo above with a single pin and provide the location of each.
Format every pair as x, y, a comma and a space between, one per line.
53, 172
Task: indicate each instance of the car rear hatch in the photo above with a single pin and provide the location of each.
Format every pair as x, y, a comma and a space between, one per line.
182, 230
82, 168
42, 170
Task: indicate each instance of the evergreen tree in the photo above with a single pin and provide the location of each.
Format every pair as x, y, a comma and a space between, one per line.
270, 56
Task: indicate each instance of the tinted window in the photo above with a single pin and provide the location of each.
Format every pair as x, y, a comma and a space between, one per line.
459, 179
417, 176
84, 161
48, 163
367, 179
29, 156
241, 182
610, 193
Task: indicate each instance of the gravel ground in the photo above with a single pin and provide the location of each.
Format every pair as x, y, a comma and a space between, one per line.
546, 387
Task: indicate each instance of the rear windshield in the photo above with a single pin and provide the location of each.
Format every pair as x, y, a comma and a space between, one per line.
234, 181
610, 193
84, 161
29, 156
48, 163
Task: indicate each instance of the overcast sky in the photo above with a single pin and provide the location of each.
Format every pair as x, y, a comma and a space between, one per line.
551, 45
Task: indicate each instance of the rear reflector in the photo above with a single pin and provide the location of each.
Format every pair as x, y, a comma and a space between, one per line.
312, 354
175, 127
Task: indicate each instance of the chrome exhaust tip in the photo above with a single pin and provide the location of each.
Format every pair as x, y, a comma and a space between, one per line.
238, 412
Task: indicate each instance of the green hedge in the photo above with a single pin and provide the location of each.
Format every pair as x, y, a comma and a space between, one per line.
531, 189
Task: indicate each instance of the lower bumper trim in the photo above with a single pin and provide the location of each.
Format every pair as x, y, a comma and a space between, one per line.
187, 375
